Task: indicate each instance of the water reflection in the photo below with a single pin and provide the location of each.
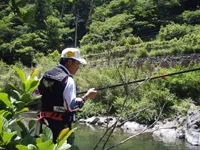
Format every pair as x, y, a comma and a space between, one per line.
86, 138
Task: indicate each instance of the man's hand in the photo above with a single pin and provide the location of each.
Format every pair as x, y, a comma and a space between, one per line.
91, 93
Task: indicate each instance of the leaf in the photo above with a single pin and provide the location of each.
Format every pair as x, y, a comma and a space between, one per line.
31, 124
48, 144
35, 73
32, 147
30, 85
23, 127
5, 113
8, 136
4, 97
42, 138
65, 137
21, 74
22, 110
62, 134
15, 88
1, 125
21, 147
19, 104
16, 94
15, 120
26, 97
65, 146
28, 139
47, 132
5, 124
39, 140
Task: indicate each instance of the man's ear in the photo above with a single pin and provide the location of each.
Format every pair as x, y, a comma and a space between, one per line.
69, 62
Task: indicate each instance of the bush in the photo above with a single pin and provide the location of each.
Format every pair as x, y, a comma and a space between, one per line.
172, 31
189, 17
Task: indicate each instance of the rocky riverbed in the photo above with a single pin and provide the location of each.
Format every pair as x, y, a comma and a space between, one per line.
168, 130
181, 127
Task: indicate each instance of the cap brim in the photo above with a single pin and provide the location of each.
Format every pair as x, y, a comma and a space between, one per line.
82, 61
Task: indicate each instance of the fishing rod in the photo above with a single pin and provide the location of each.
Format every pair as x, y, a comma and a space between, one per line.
141, 80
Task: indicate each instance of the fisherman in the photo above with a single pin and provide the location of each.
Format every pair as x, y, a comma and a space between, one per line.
58, 90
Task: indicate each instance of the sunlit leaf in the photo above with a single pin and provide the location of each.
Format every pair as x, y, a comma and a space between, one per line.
65, 146
46, 145
32, 147
5, 113
8, 136
65, 137
35, 73
21, 74
5, 98
30, 85
22, 147
22, 110
62, 134
39, 140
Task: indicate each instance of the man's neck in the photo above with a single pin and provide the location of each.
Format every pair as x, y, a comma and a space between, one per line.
63, 67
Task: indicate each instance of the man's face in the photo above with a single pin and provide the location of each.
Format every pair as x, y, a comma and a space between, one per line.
73, 66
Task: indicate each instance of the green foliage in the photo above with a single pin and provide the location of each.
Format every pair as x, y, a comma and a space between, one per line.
20, 98
133, 40
173, 94
185, 85
11, 119
112, 29
56, 31
109, 10
189, 17
173, 31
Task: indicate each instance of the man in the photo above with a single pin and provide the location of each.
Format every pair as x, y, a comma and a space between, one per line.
58, 90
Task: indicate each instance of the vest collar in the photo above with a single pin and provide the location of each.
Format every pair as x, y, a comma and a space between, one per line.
64, 69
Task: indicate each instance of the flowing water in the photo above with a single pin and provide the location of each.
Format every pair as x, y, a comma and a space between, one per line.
86, 138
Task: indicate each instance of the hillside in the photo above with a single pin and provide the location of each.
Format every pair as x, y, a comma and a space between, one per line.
147, 29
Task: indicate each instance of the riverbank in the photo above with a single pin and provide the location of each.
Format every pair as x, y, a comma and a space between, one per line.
185, 128
169, 130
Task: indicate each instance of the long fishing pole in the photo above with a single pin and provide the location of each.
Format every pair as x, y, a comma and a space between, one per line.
141, 80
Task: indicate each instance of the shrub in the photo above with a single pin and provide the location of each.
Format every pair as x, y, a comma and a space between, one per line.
189, 17
172, 31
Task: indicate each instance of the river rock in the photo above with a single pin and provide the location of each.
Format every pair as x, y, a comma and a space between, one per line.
192, 133
169, 130
133, 126
92, 120
166, 135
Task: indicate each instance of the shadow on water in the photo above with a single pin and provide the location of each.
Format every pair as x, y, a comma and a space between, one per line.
86, 138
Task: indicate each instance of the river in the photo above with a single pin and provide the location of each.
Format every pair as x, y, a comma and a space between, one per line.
86, 138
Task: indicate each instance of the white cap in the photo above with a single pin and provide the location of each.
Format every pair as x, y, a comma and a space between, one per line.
73, 53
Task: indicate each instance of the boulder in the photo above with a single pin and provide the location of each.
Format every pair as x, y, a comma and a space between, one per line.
192, 133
